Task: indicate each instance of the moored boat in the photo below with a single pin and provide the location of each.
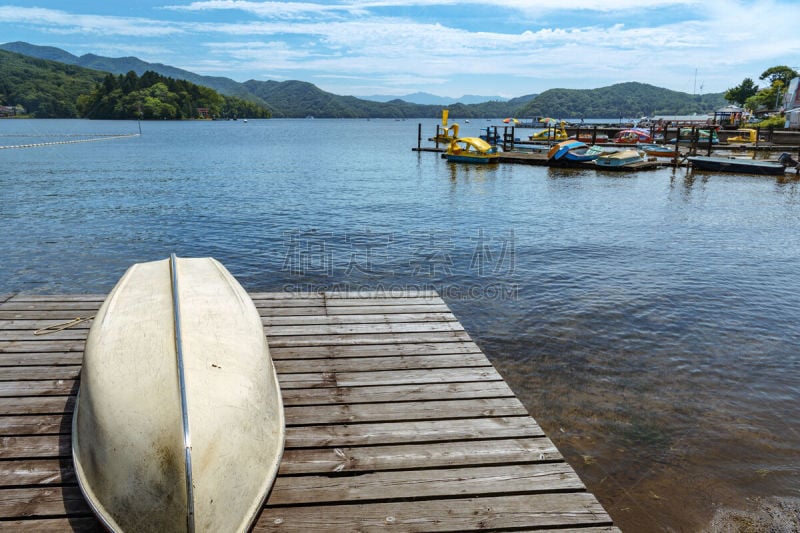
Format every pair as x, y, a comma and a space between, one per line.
471, 150
573, 151
657, 150
633, 136
179, 422
738, 165
621, 158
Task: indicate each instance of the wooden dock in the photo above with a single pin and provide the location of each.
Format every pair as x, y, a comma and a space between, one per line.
395, 420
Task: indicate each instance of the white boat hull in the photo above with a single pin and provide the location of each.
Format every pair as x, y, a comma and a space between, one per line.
177, 435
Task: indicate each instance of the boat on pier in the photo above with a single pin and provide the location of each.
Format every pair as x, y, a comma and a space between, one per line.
179, 422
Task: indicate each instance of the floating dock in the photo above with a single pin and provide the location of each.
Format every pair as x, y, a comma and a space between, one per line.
395, 419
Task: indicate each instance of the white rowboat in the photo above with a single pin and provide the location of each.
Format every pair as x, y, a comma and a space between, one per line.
179, 422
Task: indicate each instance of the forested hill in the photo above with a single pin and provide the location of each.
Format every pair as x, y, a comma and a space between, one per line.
620, 100
51, 89
297, 99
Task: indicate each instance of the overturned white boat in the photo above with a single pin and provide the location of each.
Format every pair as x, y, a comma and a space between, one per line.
179, 422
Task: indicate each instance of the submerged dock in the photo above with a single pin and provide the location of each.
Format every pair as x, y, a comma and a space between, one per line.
395, 419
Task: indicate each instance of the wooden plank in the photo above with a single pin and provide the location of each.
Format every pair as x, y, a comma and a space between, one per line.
43, 345
75, 524
20, 472
41, 358
35, 424
42, 501
400, 411
46, 387
466, 481
513, 512
399, 377
275, 332
372, 350
22, 297
366, 364
35, 446
19, 373
373, 338
410, 432
397, 393
377, 318
37, 405
428, 455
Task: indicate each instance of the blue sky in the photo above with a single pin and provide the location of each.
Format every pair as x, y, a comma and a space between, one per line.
445, 47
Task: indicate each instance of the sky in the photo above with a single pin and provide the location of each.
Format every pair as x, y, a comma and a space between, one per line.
450, 48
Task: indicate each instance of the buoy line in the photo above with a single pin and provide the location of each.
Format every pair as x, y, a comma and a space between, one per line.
53, 143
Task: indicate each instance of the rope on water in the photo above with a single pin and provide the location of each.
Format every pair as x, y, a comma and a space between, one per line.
62, 326
53, 143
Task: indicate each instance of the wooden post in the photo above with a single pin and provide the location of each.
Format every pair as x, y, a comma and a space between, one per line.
419, 136
436, 139
710, 139
758, 134
677, 142
594, 135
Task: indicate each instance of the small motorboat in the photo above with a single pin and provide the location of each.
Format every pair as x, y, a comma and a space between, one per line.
633, 136
573, 151
657, 150
471, 150
738, 165
179, 422
621, 158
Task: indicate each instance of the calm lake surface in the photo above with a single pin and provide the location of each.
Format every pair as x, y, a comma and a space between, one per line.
648, 321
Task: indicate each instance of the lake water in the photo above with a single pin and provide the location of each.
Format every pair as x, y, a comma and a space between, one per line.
648, 321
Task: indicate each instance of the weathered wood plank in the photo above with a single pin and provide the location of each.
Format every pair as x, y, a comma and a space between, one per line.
401, 411
372, 338
75, 524
35, 446
19, 472
377, 318
42, 501
398, 377
43, 345
397, 393
275, 332
41, 359
428, 455
410, 432
37, 405
462, 514
35, 424
23, 297
469, 481
45, 387
365, 364
372, 350
19, 373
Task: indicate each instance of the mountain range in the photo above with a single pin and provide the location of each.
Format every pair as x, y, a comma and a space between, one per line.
433, 99
298, 99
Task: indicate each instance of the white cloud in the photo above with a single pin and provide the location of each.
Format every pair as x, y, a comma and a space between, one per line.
62, 22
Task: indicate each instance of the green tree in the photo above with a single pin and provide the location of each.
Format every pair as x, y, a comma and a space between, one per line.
742, 92
779, 73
